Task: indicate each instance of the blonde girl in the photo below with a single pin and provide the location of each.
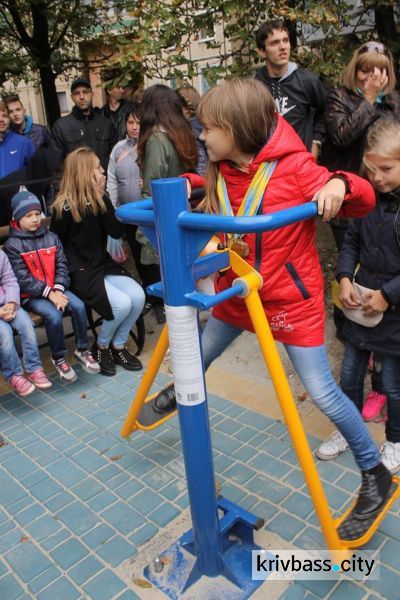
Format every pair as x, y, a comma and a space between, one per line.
374, 243
83, 217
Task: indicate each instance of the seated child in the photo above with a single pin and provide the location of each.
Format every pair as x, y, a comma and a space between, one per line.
38, 260
14, 318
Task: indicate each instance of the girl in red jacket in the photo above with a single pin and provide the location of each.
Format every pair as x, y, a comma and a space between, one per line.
244, 135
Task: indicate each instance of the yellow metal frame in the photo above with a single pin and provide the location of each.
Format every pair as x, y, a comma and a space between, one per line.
252, 283
131, 421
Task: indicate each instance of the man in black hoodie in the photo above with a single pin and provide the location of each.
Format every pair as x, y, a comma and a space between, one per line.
299, 95
85, 125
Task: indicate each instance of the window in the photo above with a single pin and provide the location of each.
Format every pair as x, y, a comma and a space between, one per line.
62, 102
206, 32
206, 79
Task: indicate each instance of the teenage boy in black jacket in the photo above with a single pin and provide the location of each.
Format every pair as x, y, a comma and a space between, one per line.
299, 95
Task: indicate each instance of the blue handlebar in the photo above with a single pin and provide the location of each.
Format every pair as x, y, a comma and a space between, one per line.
218, 223
140, 213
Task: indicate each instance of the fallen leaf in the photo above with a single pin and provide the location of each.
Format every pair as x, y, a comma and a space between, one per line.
2, 442
24, 538
302, 397
143, 583
165, 560
83, 395
116, 457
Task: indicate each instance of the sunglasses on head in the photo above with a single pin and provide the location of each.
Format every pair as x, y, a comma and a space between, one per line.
373, 47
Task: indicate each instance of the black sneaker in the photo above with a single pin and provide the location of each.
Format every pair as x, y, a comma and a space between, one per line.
104, 358
165, 401
159, 311
126, 359
375, 490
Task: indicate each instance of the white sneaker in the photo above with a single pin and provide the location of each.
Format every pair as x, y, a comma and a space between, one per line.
390, 455
332, 447
87, 361
64, 369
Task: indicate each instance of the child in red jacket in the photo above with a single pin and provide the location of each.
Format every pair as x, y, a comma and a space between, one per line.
37, 258
245, 140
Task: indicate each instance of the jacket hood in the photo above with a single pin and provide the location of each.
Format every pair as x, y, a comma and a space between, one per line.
283, 141
262, 74
16, 231
28, 125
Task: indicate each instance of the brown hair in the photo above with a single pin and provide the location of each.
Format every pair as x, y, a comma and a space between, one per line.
246, 109
161, 110
12, 98
190, 98
3, 106
269, 27
369, 56
383, 138
78, 190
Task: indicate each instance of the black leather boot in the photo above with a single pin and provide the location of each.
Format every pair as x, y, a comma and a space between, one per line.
375, 489
165, 401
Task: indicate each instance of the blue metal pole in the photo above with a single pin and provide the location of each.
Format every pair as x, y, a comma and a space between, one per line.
170, 199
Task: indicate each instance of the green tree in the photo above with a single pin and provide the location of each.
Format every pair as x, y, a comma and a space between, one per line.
175, 24
39, 40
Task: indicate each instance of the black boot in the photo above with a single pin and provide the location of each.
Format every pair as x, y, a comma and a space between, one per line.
165, 401
126, 359
104, 357
375, 489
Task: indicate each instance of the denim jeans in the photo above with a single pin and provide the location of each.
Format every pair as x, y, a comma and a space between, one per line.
126, 297
312, 366
53, 322
9, 359
354, 369
376, 375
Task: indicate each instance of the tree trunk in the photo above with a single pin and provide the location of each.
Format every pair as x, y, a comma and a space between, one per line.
386, 29
48, 82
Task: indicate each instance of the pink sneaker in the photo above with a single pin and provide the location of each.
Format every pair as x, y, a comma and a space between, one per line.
22, 386
373, 405
39, 378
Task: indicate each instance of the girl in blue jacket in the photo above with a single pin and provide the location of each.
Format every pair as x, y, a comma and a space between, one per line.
373, 243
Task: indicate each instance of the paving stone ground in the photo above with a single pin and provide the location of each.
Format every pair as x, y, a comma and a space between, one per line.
77, 501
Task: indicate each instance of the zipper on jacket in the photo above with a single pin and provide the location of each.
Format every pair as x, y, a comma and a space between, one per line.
298, 282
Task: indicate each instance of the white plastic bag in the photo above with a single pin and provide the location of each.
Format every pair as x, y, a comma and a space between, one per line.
115, 249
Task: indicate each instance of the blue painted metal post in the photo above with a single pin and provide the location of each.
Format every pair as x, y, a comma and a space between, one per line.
184, 337
221, 546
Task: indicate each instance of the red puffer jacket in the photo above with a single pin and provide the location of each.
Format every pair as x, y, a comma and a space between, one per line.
287, 258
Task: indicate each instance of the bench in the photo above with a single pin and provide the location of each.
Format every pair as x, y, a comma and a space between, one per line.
138, 334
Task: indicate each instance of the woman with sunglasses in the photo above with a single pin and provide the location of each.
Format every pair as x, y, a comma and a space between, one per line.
366, 94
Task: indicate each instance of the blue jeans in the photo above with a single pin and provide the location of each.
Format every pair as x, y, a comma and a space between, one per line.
312, 366
9, 359
53, 322
354, 369
127, 298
